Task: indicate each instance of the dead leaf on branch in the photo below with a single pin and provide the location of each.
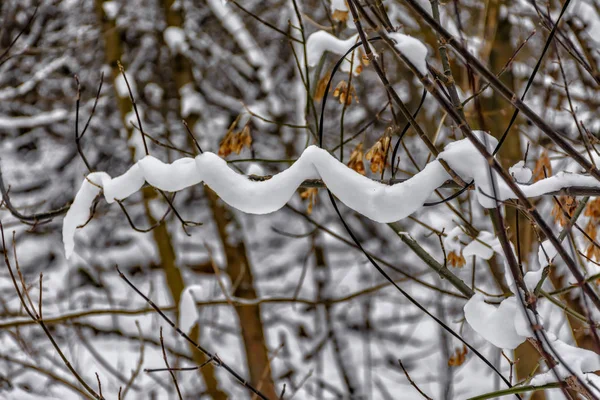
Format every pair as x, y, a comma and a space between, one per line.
568, 204
309, 194
235, 142
458, 358
456, 260
543, 167
345, 92
377, 154
356, 159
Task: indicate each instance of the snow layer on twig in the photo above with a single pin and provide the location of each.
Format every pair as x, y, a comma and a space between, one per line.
320, 42
482, 247
375, 200
520, 172
80, 209
469, 164
413, 49
40, 119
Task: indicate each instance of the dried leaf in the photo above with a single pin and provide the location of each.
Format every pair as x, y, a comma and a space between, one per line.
356, 159
456, 260
235, 142
569, 204
339, 15
321, 86
458, 358
377, 154
593, 210
592, 250
543, 167
344, 93
310, 194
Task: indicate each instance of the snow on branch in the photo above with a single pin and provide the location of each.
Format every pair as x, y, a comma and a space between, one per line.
375, 200
507, 325
320, 42
40, 119
413, 49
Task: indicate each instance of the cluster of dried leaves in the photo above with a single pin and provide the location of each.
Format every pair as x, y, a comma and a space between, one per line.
235, 142
593, 212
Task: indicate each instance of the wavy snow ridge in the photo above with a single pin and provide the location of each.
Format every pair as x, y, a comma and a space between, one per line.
375, 200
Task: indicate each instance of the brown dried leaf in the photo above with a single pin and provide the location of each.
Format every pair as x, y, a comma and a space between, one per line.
309, 194
339, 15
377, 154
593, 210
344, 93
456, 260
592, 250
569, 204
543, 167
356, 159
458, 358
235, 142
321, 86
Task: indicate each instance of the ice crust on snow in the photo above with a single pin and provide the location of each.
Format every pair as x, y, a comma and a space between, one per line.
375, 200
413, 49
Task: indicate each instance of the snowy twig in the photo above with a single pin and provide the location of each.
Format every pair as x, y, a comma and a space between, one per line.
197, 346
37, 318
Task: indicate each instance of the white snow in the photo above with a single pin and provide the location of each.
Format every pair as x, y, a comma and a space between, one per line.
40, 119
121, 85
413, 49
469, 164
191, 101
320, 42
581, 361
38, 76
496, 325
482, 247
175, 39
188, 312
453, 239
245, 40
546, 253
377, 201
339, 5
80, 209
255, 169
111, 8
520, 172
